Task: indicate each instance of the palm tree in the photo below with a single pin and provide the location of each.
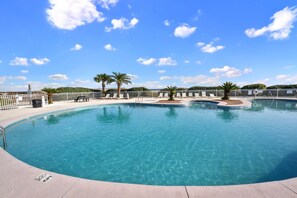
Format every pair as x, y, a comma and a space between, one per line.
49, 92
104, 79
120, 79
172, 92
227, 87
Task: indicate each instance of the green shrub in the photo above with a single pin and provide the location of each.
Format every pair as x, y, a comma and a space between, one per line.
254, 86
283, 87
204, 88
138, 89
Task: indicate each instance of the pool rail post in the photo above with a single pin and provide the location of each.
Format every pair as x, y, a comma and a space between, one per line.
2, 129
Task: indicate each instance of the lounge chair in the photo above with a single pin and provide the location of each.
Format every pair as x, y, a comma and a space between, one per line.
211, 95
178, 95
165, 95
114, 96
196, 95
160, 95
203, 93
190, 95
127, 96
184, 95
81, 98
107, 96
121, 96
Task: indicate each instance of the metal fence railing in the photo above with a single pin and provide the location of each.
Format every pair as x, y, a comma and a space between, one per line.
267, 93
14, 101
72, 96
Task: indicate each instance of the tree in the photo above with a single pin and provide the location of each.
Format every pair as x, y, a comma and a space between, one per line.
49, 92
104, 79
120, 79
227, 87
138, 89
254, 86
172, 92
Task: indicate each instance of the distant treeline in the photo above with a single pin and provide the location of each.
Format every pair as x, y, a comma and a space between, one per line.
251, 86
69, 90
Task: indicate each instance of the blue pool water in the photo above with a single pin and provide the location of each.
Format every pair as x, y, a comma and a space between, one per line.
195, 145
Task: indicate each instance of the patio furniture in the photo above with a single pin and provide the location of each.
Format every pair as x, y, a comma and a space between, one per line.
107, 96
203, 93
81, 98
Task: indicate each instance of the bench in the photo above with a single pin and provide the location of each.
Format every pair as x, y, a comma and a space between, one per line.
81, 98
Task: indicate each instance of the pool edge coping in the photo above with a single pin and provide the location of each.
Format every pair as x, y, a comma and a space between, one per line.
289, 185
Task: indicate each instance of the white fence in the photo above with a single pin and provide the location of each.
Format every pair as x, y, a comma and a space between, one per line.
266, 93
14, 101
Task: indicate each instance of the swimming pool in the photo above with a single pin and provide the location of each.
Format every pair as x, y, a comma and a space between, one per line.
195, 145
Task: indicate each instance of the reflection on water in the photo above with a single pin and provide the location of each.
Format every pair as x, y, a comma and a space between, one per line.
110, 115
227, 115
52, 119
283, 105
203, 105
171, 113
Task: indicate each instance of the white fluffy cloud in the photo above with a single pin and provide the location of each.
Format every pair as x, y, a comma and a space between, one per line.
81, 83
4, 78
161, 71
200, 79
186, 61
226, 71
166, 22
40, 61
122, 24
132, 76
69, 14
34, 85
106, 3
20, 77
168, 77
209, 48
167, 61
24, 71
281, 26
76, 47
289, 66
184, 31
150, 84
109, 47
164, 61
149, 61
19, 61
247, 70
198, 62
292, 79
58, 77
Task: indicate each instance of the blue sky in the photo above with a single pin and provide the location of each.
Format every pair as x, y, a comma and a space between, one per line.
53, 43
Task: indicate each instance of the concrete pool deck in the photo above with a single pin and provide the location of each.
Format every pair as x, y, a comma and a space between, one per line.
18, 178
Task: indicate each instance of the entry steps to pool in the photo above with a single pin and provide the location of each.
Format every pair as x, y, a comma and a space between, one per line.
2, 134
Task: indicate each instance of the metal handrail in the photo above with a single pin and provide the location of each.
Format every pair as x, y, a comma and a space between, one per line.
2, 129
